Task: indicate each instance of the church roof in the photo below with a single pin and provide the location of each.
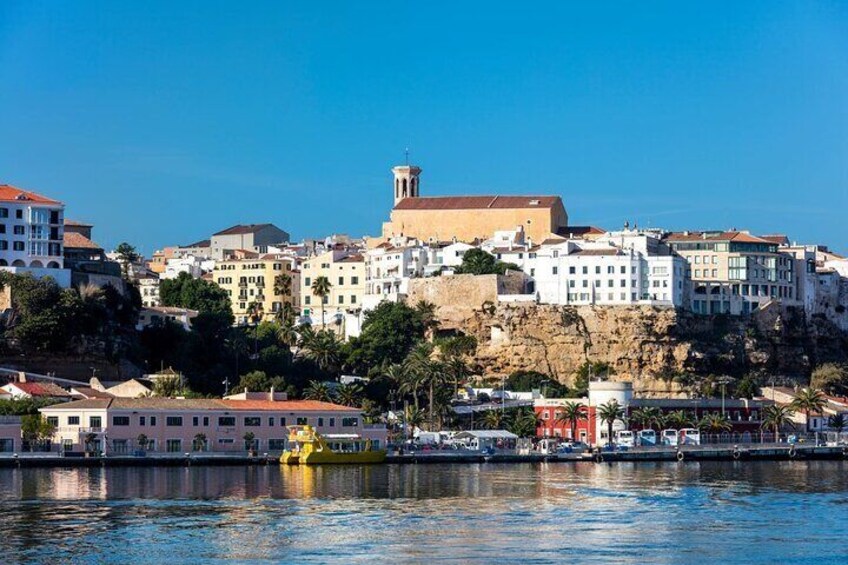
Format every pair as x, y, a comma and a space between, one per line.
476, 202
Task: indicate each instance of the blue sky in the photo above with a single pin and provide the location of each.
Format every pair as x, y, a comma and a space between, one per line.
162, 122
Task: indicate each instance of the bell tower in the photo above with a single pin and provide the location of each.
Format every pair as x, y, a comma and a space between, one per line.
406, 182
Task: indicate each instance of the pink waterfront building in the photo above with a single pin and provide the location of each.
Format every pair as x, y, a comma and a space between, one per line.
178, 425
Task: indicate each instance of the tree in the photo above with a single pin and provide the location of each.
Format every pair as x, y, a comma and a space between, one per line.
199, 442
349, 394
809, 400
777, 416
427, 314
322, 348
527, 381
836, 422
388, 333
195, 294
127, 255
142, 441
524, 422
832, 378
283, 285
414, 417
36, 428
610, 412
572, 414
318, 390
249, 441
255, 311
321, 289
480, 262
168, 387
715, 423
493, 419
259, 381
641, 417
678, 419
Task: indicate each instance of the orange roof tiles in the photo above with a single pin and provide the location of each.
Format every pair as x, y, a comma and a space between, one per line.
9, 193
476, 202
737, 236
287, 405
74, 240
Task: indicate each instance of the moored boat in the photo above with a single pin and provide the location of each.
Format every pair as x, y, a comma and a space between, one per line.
308, 447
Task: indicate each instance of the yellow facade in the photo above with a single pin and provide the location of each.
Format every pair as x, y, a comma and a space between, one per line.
251, 281
470, 223
346, 272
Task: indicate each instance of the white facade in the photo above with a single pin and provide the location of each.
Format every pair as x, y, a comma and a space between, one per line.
191, 264
148, 288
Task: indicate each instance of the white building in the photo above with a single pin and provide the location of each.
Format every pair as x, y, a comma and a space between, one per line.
620, 268
194, 265
148, 288
31, 234
388, 268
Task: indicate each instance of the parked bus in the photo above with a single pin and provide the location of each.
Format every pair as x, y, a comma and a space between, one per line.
669, 437
647, 438
690, 436
624, 438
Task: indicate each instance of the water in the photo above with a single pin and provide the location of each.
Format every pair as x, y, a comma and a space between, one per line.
716, 512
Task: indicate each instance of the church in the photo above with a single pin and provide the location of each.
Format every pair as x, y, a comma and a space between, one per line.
468, 218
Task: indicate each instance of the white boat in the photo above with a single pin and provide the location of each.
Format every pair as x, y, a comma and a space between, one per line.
690, 436
647, 438
669, 437
624, 438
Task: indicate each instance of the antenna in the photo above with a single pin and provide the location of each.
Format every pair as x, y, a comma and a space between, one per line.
406, 152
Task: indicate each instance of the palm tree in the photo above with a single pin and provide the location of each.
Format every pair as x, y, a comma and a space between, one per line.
776, 417
715, 423
317, 390
493, 419
282, 285
641, 417
809, 400
395, 375
836, 422
254, 312
322, 348
609, 413
417, 367
524, 422
349, 394
572, 413
678, 419
414, 417
321, 289
199, 443
427, 313
457, 369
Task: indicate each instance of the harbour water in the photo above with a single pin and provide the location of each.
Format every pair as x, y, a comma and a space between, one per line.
716, 512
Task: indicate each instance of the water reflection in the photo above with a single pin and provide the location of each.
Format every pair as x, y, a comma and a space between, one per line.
663, 512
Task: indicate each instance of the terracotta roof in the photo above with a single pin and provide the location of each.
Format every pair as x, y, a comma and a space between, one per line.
77, 224
74, 240
356, 258
156, 403
553, 241
49, 390
736, 236
201, 243
9, 193
777, 238
597, 252
242, 229
476, 202
287, 405
576, 231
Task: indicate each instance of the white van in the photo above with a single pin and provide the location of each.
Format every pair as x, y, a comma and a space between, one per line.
647, 438
624, 438
669, 437
690, 436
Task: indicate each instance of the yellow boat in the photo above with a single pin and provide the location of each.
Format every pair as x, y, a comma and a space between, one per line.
308, 447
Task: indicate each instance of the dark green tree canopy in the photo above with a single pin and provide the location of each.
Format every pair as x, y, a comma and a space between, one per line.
195, 294
479, 262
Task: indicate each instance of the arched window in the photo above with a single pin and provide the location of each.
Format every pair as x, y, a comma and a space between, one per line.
52, 265
18, 263
36, 264
404, 192
4, 263
413, 187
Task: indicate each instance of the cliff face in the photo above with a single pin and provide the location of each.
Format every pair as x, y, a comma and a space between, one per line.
644, 344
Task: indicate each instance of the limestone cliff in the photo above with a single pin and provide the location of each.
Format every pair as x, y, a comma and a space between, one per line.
644, 344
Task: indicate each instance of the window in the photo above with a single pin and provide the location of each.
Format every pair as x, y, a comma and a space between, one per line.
610, 269
142, 420
19, 230
4, 212
597, 269
173, 421
282, 421
320, 422
332, 422
307, 299
555, 270
341, 299
73, 420
354, 280
301, 421
585, 270
572, 270
18, 246
276, 444
353, 299
19, 214
252, 421
307, 281
341, 281
206, 420
195, 421
226, 441
95, 422
350, 422
271, 421
120, 420
174, 445
227, 421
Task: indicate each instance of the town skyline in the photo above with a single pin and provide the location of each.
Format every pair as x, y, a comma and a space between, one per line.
664, 121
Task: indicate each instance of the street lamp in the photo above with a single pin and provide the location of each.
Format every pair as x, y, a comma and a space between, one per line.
723, 381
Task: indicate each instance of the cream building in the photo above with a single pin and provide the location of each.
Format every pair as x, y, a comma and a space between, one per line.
468, 218
345, 270
735, 272
250, 279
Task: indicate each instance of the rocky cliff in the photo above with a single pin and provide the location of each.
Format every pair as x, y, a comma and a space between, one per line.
648, 345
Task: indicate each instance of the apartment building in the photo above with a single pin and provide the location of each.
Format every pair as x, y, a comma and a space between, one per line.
344, 268
250, 237
175, 425
258, 284
734, 272
31, 234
